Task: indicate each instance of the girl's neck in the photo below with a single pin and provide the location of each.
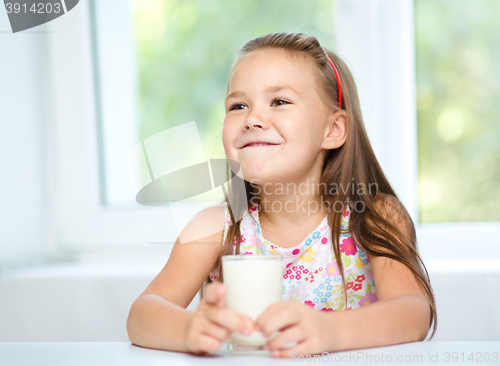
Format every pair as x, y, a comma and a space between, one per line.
290, 206
296, 203
292, 220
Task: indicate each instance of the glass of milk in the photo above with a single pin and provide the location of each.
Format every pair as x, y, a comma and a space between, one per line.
253, 283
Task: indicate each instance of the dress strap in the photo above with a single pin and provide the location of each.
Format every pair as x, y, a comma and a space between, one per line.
227, 221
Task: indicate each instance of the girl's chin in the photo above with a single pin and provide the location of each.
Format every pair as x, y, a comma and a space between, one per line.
263, 179
253, 175
261, 174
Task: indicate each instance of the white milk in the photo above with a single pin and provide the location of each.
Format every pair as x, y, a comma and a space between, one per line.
252, 285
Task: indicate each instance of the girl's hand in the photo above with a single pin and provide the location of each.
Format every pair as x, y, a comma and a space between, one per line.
213, 322
311, 329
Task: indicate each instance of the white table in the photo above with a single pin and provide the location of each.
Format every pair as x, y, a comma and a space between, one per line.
124, 353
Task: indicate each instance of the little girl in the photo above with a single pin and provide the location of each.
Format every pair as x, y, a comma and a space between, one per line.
316, 195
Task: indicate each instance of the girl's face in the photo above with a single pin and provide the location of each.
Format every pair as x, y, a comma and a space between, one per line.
273, 98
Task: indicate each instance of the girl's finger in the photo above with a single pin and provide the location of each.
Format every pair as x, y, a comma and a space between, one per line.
302, 348
215, 330
214, 293
287, 336
284, 318
230, 319
207, 343
267, 315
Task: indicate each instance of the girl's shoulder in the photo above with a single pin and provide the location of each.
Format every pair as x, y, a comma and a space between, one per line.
392, 210
216, 212
390, 206
384, 201
206, 224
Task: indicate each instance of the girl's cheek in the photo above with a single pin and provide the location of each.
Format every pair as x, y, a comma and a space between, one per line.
224, 136
225, 141
227, 149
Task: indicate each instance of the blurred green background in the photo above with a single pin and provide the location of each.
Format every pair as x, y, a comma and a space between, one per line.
458, 76
185, 47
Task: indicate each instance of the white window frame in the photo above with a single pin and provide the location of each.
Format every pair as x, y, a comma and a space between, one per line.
376, 38
79, 223
80, 226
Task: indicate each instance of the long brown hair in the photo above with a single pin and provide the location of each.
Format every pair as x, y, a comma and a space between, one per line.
374, 228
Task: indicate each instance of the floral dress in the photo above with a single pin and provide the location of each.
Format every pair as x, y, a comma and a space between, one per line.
310, 272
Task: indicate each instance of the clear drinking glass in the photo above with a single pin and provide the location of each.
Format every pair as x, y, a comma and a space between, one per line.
253, 283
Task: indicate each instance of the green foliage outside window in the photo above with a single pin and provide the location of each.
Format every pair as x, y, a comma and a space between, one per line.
185, 49
458, 89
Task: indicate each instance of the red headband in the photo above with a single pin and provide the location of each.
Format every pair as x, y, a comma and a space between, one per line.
338, 82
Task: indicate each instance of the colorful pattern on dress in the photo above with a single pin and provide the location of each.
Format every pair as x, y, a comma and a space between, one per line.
310, 272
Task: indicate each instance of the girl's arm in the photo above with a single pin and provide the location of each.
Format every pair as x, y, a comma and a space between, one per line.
400, 315
158, 318
402, 312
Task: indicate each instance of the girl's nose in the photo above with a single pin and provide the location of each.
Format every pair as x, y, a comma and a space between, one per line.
251, 126
255, 121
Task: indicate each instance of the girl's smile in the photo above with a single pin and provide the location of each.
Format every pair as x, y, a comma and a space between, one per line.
251, 147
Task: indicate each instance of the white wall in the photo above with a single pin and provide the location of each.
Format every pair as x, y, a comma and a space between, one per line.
91, 302
21, 144
71, 302
467, 295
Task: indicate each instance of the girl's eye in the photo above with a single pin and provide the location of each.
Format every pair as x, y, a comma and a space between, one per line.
235, 106
278, 102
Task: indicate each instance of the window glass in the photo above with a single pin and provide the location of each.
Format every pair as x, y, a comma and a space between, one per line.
185, 48
458, 73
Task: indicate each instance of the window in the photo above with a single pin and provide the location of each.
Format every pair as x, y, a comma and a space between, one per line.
458, 68
172, 68
174, 71
136, 84
457, 71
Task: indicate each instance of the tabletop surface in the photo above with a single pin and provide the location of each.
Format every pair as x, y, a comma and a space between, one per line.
124, 353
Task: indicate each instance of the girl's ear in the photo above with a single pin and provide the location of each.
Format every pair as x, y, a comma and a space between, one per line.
336, 131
